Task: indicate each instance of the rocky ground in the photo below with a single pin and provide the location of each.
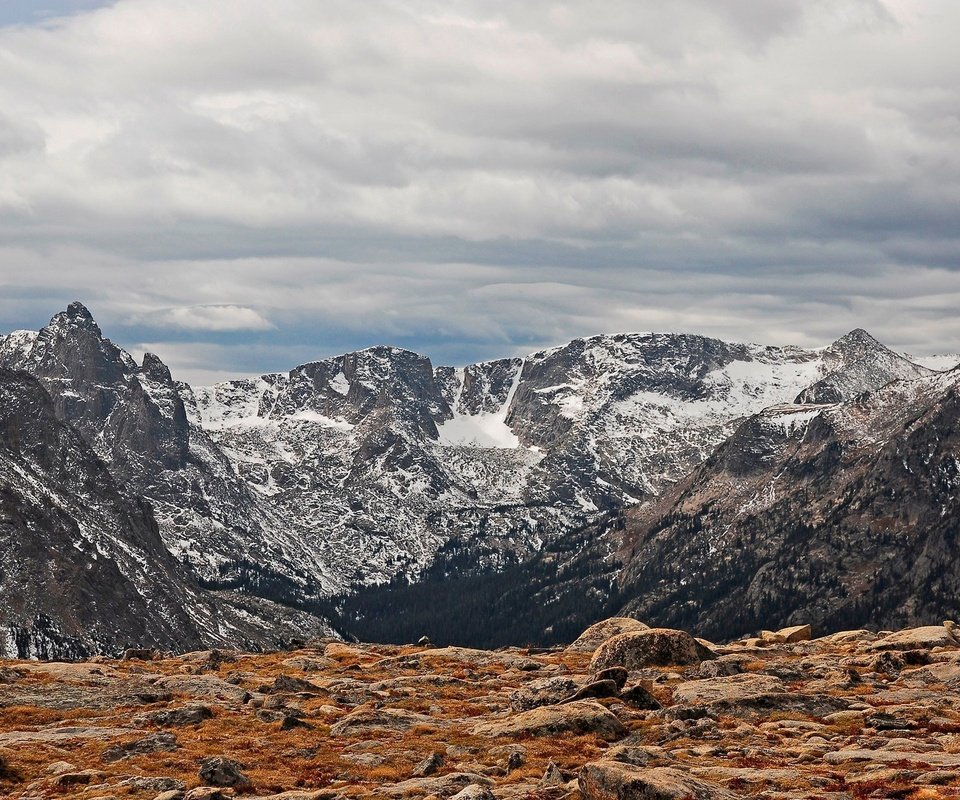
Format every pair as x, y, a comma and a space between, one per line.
624, 712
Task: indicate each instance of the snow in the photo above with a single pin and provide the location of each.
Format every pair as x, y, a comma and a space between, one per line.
339, 423
340, 384
941, 363
486, 429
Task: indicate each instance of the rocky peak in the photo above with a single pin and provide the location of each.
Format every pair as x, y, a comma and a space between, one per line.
859, 363
155, 370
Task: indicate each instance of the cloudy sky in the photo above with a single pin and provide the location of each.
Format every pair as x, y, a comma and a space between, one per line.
241, 186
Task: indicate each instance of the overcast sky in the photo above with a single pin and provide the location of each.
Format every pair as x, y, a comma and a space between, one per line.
241, 186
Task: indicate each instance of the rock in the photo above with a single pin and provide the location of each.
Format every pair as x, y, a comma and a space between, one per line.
796, 633
553, 776
605, 688
474, 792
649, 648
752, 694
154, 743
207, 793
291, 722
176, 717
443, 785
614, 780
59, 768
66, 780
289, 685
139, 654
218, 771
171, 794
581, 716
926, 637
364, 721
616, 674
599, 632
429, 765
545, 692
638, 697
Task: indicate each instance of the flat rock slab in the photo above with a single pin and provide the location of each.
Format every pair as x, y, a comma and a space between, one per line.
466, 655
753, 694
612, 780
364, 721
579, 717
924, 638
891, 756
209, 687
63, 735
443, 786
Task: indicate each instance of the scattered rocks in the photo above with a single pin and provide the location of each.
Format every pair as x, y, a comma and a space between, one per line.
832, 717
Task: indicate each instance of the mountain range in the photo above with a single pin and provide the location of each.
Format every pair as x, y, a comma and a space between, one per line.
693, 481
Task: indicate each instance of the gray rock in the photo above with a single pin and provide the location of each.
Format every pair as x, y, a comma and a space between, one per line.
218, 771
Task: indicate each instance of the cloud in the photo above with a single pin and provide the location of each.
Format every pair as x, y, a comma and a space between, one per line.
472, 178
207, 318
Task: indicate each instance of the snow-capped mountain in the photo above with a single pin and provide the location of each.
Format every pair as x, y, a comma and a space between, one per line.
377, 459
352, 470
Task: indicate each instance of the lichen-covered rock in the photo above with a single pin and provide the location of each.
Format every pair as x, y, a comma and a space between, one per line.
614, 780
649, 648
582, 716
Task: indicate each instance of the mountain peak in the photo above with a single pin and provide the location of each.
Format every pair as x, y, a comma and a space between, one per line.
77, 315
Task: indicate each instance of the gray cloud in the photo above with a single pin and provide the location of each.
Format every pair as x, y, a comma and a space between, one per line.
473, 179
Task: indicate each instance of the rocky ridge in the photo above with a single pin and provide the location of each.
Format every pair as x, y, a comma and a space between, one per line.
646, 713
376, 466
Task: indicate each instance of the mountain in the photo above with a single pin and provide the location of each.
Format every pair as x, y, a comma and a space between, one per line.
841, 515
336, 485
82, 566
380, 463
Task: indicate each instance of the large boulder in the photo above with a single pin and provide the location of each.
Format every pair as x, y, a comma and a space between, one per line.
655, 647
579, 717
599, 632
613, 780
924, 638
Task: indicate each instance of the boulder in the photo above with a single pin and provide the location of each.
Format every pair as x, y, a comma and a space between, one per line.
606, 688
614, 780
796, 633
926, 637
579, 717
218, 771
650, 648
443, 786
599, 632
154, 743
